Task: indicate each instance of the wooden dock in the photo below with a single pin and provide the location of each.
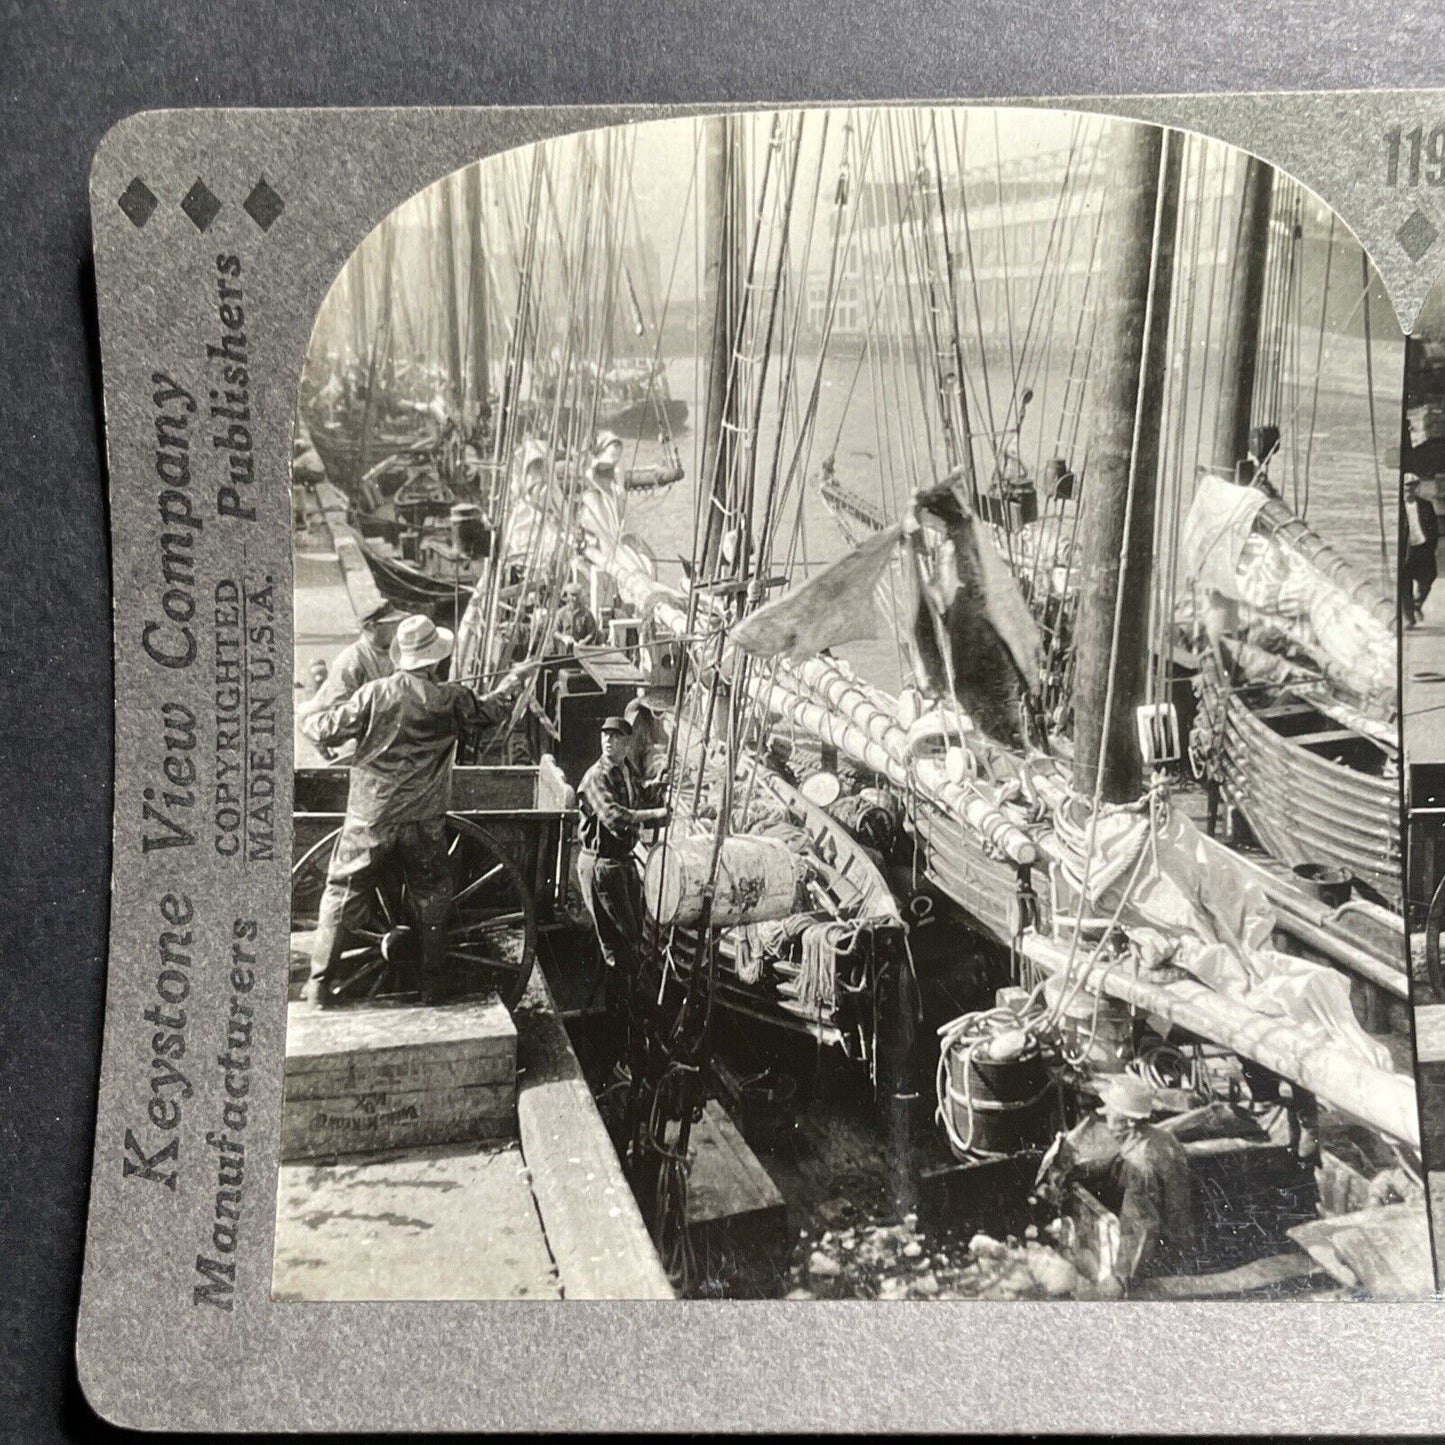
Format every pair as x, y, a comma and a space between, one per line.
545, 1215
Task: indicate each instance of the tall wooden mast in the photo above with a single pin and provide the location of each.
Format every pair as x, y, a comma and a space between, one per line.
1123, 462
722, 283
478, 379
1241, 330
451, 322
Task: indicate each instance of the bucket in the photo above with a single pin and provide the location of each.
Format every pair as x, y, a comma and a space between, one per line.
1107, 1044
998, 1105
1331, 886
757, 880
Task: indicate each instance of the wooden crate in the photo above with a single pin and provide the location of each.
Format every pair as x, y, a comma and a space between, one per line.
369, 1079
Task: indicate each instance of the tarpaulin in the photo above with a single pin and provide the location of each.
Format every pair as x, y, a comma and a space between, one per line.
1219, 523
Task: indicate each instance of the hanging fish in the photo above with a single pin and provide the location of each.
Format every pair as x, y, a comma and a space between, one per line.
973, 637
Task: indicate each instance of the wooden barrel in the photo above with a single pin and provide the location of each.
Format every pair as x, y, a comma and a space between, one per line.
998, 1106
757, 880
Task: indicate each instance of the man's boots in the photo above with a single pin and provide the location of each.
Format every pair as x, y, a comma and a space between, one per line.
324, 952
433, 963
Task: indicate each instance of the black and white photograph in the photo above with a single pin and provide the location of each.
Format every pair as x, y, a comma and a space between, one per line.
846, 727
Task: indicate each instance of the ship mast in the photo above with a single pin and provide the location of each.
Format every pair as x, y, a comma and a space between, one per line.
722, 284
1123, 463
450, 299
1241, 330
476, 295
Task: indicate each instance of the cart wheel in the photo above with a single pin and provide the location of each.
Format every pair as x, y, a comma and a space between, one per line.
1433, 921
491, 926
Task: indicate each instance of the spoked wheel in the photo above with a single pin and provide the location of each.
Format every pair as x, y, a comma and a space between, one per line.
1433, 922
491, 925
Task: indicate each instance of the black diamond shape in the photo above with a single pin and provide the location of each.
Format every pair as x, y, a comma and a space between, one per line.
200, 205
263, 205
1417, 235
138, 202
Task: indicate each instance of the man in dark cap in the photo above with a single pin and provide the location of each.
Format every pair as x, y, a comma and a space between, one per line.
360, 662
405, 727
614, 803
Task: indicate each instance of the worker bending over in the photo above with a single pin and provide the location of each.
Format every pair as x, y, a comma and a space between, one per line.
1138, 1170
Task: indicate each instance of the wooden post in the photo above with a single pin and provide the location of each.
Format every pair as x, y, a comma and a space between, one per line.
1123, 461
721, 283
898, 1017
1241, 331
357, 275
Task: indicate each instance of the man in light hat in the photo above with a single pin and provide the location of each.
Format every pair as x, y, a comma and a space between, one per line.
613, 804
360, 662
1138, 1170
405, 727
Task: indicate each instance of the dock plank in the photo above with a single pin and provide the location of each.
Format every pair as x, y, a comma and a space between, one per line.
726, 1182
1423, 717
594, 1227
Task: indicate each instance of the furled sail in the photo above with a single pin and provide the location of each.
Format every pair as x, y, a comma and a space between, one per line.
1261, 576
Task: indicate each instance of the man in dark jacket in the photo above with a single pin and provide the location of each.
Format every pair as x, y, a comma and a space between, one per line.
614, 803
1417, 571
405, 727
360, 662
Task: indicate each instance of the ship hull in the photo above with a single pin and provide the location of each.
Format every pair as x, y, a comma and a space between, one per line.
1310, 790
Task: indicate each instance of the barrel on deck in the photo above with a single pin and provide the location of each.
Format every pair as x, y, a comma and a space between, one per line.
998, 1106
757, 880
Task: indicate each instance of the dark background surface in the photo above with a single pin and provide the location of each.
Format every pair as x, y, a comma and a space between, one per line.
71, 70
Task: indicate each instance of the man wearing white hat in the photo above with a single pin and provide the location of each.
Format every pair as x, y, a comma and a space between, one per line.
1138, 1170
405, 727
